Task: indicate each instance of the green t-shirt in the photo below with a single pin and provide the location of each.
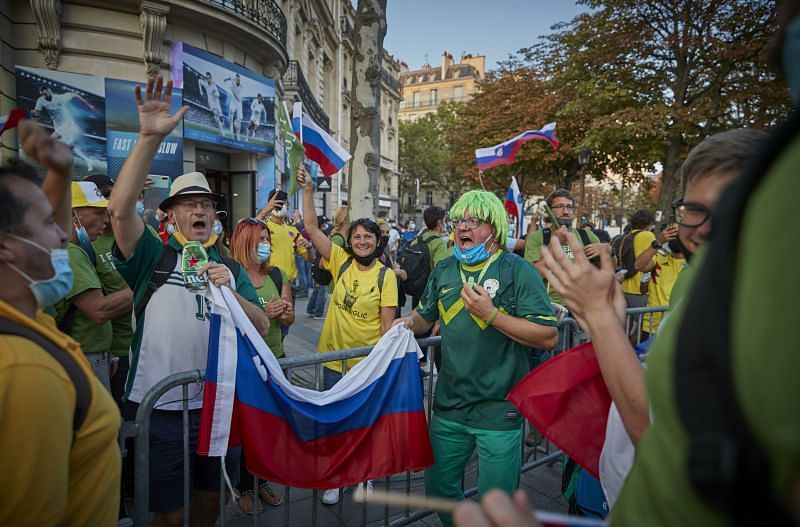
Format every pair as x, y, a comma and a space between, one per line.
121, 329
533, 253
267, 292
94, 338
480, 365
765, 365
437, 248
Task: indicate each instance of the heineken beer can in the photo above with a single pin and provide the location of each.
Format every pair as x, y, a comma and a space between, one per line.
194, 258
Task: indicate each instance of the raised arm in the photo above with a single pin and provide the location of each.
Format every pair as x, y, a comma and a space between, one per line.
155, 122
321, 242
57, 157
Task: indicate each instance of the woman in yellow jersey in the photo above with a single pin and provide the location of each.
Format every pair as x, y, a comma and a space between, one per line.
251, 247
364, 299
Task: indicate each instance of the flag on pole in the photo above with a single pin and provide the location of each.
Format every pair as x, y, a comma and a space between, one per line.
567, 400
371, 424
7, 122
294, 147
506, 153
320, 146
514, 204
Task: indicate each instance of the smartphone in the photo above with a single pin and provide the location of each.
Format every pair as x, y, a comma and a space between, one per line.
158, 192
280, 195
553, 220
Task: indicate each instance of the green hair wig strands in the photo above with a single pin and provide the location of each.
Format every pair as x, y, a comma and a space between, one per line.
486, 206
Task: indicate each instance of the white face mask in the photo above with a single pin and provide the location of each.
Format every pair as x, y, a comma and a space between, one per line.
282, 213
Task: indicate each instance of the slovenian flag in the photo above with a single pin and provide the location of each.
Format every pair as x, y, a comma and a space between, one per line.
371, 424
506, 153
7, 122
320, 146
567, 400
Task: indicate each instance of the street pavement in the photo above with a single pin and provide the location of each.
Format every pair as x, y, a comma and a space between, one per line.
305, 507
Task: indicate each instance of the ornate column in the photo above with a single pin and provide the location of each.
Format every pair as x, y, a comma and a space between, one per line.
48, 20
153, 19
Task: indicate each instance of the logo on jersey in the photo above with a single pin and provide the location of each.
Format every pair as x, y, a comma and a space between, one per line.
492, 286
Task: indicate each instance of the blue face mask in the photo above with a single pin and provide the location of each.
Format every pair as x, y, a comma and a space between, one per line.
473, 255
264, 250
139, 208
791, 64
48, 292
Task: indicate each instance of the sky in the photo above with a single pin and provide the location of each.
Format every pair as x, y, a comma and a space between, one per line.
494, 28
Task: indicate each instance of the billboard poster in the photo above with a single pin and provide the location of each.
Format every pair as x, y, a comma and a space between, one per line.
229, 105
72, 107
122, 129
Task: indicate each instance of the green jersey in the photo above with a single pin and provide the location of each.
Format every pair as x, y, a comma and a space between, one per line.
267, 292
94, 338
480, 365
121, 329
533, 253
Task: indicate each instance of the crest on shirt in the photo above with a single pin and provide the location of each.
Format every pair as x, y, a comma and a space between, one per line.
492, 286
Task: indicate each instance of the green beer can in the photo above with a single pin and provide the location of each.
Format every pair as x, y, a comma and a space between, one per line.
194, 258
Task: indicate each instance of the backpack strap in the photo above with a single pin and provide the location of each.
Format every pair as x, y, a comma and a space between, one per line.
584, 236
234, 266
381, 276
727, 466
158, 277
276, 277
83, 391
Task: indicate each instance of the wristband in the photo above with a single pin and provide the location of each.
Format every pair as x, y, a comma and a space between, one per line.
492, 316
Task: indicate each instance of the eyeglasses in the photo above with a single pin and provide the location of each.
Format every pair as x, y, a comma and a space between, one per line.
690, 214
562, 206
192, 204
468, 223
253, 221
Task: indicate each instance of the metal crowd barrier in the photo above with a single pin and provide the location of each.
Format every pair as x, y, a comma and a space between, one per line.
536, 451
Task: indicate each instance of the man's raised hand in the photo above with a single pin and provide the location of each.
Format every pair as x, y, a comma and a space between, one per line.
44, 149
154, 116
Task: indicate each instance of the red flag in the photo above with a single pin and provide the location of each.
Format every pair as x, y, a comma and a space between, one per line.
10, 121
567, 400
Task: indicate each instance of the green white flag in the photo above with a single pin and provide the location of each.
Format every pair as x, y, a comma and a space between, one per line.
295, 151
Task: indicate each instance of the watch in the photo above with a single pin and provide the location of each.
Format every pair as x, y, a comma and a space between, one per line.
655, 245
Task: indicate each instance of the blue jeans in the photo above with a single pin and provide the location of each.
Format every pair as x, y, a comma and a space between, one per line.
316, 304
329, 378
303, 275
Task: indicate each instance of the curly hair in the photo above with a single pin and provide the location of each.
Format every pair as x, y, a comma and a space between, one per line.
486, 206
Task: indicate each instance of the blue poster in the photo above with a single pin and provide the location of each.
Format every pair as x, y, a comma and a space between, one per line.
229, 105
122, 129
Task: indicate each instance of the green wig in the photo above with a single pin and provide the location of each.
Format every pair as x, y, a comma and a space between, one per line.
486, 206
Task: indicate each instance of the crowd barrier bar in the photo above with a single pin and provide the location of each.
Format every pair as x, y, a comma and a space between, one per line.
140, 428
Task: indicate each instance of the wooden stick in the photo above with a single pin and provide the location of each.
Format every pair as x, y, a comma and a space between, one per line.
379, 497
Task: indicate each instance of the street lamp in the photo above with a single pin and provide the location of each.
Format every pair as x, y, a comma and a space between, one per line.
583, 160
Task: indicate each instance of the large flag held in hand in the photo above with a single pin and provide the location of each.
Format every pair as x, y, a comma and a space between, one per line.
369, 425
7, 122
320, 146
294, 146
506, 153
514, 204
567, 400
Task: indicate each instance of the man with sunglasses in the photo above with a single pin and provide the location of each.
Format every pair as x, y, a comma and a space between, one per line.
172, 329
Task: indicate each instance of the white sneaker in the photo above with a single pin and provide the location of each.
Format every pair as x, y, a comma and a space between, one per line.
360, 488
330, 497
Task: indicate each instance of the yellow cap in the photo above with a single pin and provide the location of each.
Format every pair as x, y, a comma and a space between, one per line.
86, 194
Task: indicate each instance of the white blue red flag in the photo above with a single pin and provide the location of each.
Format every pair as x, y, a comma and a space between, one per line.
371, 424
320, 146
514, 204
7, 122
506, 153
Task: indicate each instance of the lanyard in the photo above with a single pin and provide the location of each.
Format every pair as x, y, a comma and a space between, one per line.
471, 281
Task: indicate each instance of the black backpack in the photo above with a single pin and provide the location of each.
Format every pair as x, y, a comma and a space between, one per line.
622, 247
321, 275
166, 265
415, 260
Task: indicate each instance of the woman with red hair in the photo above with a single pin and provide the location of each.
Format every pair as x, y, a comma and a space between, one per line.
251, 247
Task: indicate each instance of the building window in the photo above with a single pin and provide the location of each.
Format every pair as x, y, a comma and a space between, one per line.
429, 197
458, 92
410, 201
415, 97
434, 94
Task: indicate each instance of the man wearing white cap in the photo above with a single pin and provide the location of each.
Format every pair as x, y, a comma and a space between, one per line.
172, 315
86, 312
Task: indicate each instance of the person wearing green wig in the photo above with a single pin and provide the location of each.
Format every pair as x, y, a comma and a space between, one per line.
492, 307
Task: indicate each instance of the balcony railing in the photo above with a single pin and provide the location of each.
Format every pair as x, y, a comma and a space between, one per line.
294, 79
430, 103
390, 81
264, 13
